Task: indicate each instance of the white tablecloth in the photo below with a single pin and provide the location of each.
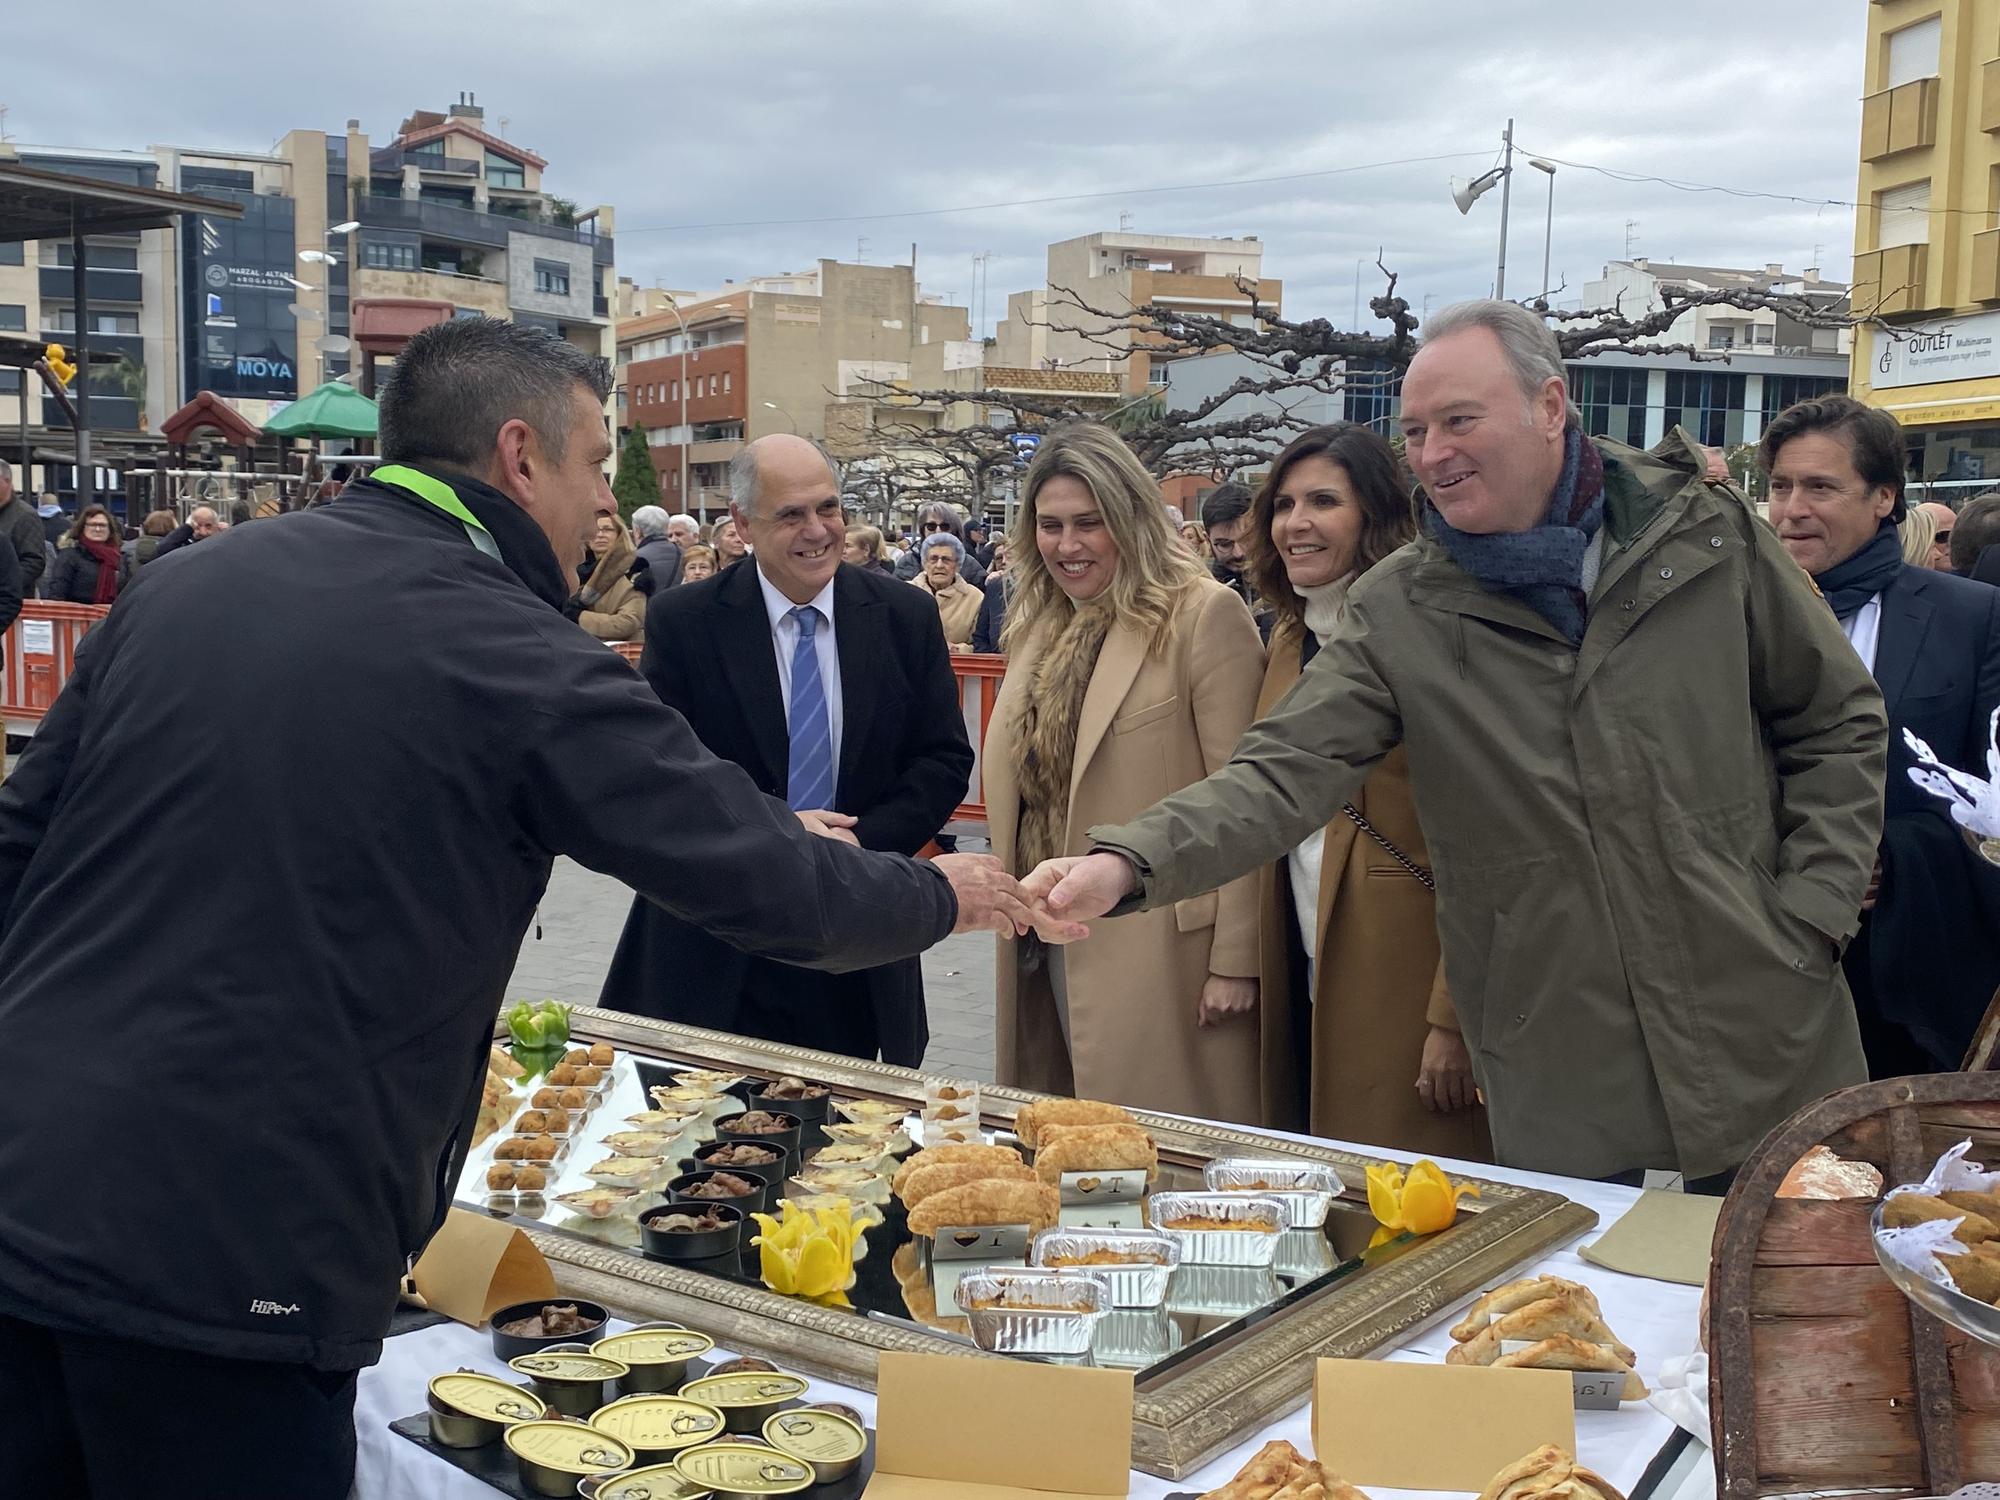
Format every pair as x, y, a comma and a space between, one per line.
1656, 1318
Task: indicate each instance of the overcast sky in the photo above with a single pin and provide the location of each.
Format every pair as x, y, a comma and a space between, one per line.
692, 118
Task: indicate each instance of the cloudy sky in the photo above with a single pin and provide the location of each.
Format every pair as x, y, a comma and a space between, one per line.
702, 123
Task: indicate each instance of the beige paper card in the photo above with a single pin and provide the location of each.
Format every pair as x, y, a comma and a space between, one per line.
952, 1428
1665, 1236
1434, 1427
475, 1266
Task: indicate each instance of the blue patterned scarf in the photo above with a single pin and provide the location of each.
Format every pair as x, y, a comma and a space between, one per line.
1543, 568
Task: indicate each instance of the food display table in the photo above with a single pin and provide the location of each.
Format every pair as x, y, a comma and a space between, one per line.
1416, 1298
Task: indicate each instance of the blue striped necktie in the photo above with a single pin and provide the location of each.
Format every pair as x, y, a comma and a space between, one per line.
810, 782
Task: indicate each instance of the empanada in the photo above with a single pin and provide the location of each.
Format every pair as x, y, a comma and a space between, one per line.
1977, 1272
1563, 1312
1036, 1117
1269, 1470
1096, 1148
1905, 1209
927, 1181
932, 1156
1517, 1294
1562, 1352
1548, 1471
991, 1200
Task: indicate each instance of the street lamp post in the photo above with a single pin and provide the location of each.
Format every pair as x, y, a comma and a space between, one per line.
1549, 227
1465, 194
789, 422
327, 260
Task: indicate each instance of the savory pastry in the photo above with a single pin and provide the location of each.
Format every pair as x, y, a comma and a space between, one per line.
500, 1064
1977, 1272
845, 1154
521, 1179
530, 1122
851, 1182
577, 1057
1986, 1205
589, 1076
575, 1098
946, 1111
991, 1200
639, 1142
1104, 1256
1097, 1148
928, 1181
1039, 1116
873, 1109
1204, 1223
615, 1171
1561, 1352
658, 1119
598, 1202
562, 1075
1278, 1471
1518, 1294
601, 1054
932, 1156
526, 1148
1562, 1312
547, 1098
1905, 1209
1550, 1472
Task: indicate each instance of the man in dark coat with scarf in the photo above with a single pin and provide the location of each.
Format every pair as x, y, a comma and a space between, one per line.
1927, 959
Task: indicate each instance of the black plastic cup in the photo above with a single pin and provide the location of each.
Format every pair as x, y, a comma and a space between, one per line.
695, 1244
784, 1141
750, 1203
808, 1112
509, 1345
773, 1173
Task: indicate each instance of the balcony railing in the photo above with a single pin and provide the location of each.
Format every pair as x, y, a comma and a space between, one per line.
1892, 280
389, 159
1900, 119
58, 284
469, 226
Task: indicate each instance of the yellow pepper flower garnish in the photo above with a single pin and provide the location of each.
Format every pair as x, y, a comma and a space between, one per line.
807, 1254
1422, 1203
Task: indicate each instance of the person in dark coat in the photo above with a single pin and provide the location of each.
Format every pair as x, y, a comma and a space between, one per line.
1927, 959
658, 561
12, 593
993, 612
933, 517
202, 523
293, 1079
21, 529
859, 726
91, 566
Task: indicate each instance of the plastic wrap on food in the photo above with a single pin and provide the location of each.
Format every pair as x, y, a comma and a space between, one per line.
1220, 1229
1307, 1189
1033, 1311
1135, 1263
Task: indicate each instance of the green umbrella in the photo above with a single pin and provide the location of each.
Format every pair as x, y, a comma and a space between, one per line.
334, 410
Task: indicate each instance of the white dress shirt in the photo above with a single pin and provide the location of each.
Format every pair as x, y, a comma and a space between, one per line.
1864, 628
785, 640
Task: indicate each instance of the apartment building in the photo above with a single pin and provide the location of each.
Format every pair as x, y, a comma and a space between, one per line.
1926, 241
816, 352
1113, 272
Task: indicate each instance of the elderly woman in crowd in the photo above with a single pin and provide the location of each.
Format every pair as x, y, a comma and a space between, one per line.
609, 605
863, 548
1919, 536
146, 545
1132, 673
697, 563
957, 601
936, 518
729, 547
1360, 1039
91, 566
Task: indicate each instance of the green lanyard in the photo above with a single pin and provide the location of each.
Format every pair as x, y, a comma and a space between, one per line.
436, 492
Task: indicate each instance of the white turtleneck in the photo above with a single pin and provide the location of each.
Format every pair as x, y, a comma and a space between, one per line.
1325, 604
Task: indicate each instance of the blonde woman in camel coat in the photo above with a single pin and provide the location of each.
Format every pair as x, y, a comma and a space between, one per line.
1131, 674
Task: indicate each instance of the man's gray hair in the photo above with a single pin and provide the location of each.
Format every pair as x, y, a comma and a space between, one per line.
743, 474
458, 382
649, 521
1531, 349
686, 520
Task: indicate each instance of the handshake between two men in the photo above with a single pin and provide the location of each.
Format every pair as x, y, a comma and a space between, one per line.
1053, 901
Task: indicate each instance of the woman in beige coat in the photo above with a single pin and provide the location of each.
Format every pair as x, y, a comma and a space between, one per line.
1360, 1039
609, 605
1131, 674
957, 601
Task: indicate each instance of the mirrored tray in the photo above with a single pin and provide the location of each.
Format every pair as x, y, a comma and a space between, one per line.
1230, 1349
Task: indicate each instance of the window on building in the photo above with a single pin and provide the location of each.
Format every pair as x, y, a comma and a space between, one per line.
552, 278
1708, 403
1156, 374
673, 390
1722, 338
116, 257
1912, 53
12, 252
1613, 401
13, 317
502, 173
725, 382
379, 255
1781, 391
63, 320
1903, 216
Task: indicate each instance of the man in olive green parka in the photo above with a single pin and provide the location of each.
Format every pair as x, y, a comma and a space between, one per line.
1648, 765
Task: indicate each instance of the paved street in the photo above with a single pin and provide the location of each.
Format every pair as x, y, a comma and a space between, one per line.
583, 912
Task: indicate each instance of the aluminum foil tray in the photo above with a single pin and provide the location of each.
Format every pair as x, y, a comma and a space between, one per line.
1305, 1188
1034, 1330
1255, 1245
1133, 1285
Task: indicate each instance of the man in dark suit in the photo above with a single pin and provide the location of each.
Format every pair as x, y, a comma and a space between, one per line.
835, 692
1927, 959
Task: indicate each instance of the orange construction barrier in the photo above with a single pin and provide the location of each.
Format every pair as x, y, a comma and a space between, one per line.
978, 690
40, 651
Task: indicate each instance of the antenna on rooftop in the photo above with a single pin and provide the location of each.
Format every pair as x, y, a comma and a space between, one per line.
1631, 237
1124, 219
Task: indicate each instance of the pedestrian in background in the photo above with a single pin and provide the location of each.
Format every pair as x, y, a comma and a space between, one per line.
1918, 536
957, 601
1196, 540
863, 548
91, 565
1927, 958
657, 559
1361, 1042
1131, 674
698, 563
201, 524
937, 518
999, 592
1647, 761
1943, 518
146, 545
609, 605
728, 544
684, 531
21, 530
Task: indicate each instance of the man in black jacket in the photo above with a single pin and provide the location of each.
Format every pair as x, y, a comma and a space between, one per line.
1927, 958
21, 532
880, 712
263, 1120
201, 524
